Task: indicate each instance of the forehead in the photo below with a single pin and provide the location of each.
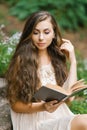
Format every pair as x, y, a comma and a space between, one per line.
44, 24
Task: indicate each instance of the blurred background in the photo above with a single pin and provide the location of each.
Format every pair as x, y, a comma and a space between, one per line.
71, 16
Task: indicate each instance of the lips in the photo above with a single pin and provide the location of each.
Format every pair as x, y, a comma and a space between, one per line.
41, 44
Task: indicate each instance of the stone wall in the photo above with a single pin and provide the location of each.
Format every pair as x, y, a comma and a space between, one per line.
5, 120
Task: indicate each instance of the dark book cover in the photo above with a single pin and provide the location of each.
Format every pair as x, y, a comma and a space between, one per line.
48, 94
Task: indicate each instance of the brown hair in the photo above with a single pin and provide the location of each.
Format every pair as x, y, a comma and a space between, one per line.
22, 75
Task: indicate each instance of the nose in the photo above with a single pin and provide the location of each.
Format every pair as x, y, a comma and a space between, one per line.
41, 36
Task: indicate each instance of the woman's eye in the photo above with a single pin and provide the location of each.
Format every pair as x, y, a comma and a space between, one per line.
35, 33
47, 32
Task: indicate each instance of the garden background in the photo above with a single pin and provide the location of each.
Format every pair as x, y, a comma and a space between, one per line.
72, 19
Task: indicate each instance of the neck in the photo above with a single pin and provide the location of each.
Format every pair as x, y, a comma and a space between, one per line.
44, 57
42, 53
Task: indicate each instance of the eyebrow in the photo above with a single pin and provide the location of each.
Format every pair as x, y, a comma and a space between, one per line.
46, 29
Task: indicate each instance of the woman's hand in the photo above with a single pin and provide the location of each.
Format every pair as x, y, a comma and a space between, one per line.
51, 106
68, 49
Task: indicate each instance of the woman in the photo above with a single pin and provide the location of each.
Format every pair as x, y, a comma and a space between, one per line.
39, 59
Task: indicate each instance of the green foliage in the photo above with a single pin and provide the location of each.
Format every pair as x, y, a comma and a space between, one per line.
81, 71
6, 51
81, 66
9, 2
70, 14
79, 107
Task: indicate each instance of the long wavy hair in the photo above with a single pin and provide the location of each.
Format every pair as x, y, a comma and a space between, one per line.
21, 76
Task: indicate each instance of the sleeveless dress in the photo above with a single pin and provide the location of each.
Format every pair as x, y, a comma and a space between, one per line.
58, 120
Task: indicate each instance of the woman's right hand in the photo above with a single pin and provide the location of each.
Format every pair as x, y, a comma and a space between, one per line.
52, 105
68, 48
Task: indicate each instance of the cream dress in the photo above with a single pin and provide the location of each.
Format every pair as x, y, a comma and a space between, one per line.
58, 120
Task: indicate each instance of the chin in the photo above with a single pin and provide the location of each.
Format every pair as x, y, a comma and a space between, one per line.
42, 48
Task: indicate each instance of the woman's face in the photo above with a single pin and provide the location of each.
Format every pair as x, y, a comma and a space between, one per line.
43, 34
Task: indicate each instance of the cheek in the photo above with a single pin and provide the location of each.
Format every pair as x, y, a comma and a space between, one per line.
49, 41
50, 38
34, 39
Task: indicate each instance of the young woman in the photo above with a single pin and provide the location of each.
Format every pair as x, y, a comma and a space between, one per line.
39, 59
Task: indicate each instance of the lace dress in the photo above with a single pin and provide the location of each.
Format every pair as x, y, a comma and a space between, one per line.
58, 120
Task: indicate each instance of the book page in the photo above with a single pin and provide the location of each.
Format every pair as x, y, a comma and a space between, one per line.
78, 85
57, 88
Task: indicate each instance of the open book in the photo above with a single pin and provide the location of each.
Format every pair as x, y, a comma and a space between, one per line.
53, 92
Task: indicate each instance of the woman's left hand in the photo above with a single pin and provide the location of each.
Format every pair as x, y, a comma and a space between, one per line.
51, 106
68, 49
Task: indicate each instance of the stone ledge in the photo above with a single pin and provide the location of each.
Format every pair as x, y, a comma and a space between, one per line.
5, 120
2, 82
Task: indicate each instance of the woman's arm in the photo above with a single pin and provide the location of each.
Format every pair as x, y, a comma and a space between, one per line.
72, 76
21, 107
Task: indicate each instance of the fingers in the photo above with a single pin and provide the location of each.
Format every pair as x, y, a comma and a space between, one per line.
68, 49
52, 105
53, 102
67, 45
65, 40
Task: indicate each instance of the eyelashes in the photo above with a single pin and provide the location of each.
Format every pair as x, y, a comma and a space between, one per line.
36, 33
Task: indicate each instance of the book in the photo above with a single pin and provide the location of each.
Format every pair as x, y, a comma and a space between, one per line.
53, 92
